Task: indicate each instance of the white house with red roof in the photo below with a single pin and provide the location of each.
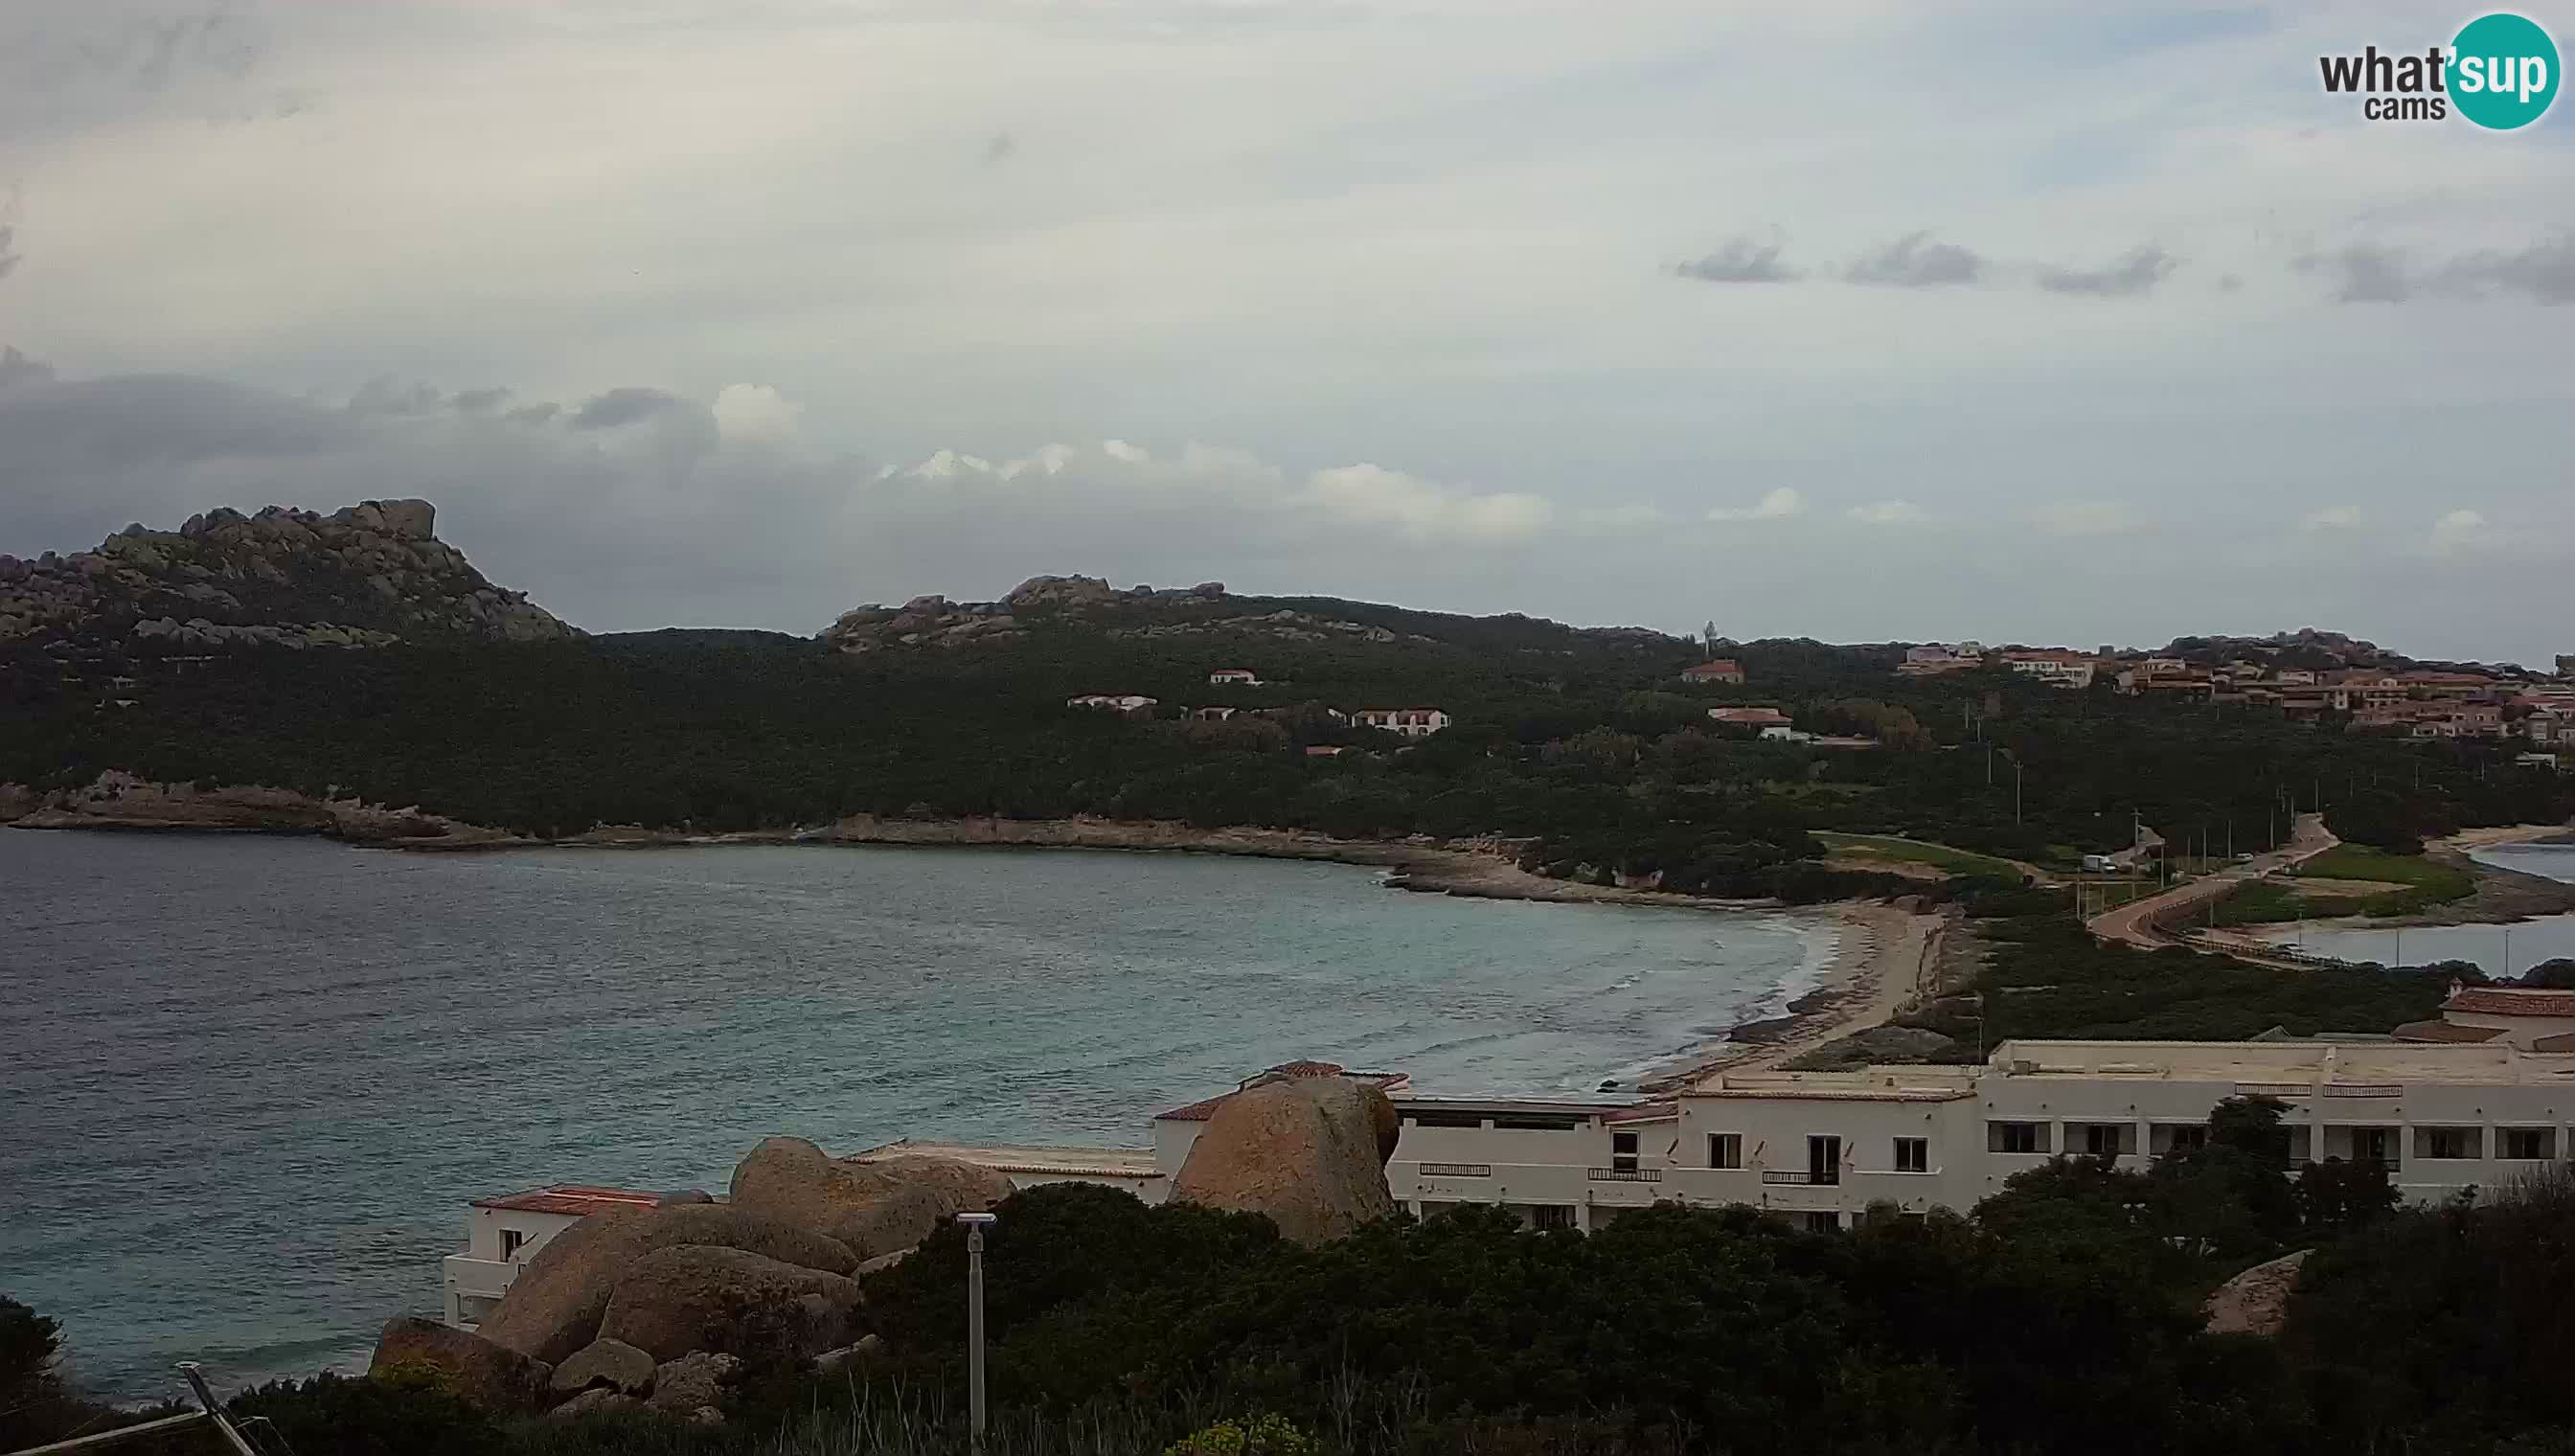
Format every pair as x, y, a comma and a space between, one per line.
1234, 677
1412, 723
501, 1234
1715, 669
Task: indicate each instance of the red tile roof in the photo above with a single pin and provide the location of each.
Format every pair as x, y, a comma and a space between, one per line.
2506, 1001
577, 1200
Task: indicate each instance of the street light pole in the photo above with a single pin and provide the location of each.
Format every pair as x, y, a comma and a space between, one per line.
974, 1223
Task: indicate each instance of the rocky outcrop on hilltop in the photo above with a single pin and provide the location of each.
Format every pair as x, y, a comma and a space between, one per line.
1309, 1151
1133, 612
368, 576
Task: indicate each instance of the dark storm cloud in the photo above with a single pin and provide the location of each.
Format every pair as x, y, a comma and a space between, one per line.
2367, 273
1745, 259
623, 406
2360, 273
1915, 261
2543, 272
2131, 274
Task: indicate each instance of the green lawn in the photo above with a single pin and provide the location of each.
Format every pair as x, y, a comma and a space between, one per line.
2436, 881
1938, 857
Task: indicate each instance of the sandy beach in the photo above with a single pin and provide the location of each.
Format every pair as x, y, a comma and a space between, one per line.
1887, 959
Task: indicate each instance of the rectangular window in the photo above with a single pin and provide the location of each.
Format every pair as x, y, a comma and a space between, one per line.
511, 1240
1823, 1223
2449, 1143
1823, 1159
2015, 1138
1622, 1152
1725, 1150
2106, 1139
1552, 1216
2189, 1137
2525, 1143
1913, 1155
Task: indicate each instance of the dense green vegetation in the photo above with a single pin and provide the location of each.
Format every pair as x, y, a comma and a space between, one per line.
2062, 1315
1583, 742
2043, 975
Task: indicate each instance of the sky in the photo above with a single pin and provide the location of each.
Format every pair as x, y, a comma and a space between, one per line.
1846, 318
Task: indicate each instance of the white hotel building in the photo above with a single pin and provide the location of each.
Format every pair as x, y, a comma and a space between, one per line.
2472, 1101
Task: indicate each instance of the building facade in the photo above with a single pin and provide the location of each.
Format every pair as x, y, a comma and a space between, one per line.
502, 1235
1412, 723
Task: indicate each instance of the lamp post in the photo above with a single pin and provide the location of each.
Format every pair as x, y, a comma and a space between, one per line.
974, 1223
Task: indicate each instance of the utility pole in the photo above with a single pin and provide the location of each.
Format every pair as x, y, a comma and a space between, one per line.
974, 1223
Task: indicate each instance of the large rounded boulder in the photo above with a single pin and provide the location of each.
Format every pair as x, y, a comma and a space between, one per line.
679, 1302
473, 1368
2256, 1302
875, 1208
555, 1305
1307, 1152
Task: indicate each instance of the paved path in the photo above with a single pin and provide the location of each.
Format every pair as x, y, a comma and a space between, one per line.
2134, 923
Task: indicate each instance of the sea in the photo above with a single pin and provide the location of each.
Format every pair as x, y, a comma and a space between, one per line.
248, 1083
2498, 950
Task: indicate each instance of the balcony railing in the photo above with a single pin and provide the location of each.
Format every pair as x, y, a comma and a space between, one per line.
1801, 1176
1627, 1175
2364, 1089
1456, 1170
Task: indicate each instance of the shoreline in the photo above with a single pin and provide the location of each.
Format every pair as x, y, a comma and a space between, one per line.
1886, 958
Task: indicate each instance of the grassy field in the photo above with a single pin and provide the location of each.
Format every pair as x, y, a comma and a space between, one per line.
2269, 901
1938, 857
2352, 862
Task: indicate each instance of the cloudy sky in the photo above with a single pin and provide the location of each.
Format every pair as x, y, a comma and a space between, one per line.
2022, 320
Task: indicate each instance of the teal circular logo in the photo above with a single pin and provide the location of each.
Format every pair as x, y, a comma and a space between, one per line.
2503, 71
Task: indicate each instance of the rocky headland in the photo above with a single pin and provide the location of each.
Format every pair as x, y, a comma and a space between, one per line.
372, 575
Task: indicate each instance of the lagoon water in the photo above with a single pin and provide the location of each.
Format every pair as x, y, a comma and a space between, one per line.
246, 1084
2500, 950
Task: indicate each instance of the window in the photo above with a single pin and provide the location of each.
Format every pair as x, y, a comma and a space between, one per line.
1725, 1150
1552, 1216
511, 1240
2449, 1143
2190, 1137
1622, 1152
2525, 1143
1913, 1155
1823, 1223
1823, 1159
2372, 1145
2015, 1138
2108, 1140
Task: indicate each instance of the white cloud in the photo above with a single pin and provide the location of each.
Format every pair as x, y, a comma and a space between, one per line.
1425, 509
2460, 529
1776, 505
2331, 518
1886, 512
756, 413
2087, 518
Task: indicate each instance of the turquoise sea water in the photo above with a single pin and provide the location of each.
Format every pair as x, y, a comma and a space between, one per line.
246, 1084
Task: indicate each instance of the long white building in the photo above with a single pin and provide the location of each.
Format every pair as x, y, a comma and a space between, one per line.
2445, 1115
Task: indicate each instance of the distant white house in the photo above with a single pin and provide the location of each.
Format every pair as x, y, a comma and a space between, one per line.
1127, 702
2057, 666
1412, 723
1234, 677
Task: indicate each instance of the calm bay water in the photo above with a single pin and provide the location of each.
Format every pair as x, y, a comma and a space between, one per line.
246, 1084
2525, 943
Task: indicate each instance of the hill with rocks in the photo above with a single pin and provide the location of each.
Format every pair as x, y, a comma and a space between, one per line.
372, 575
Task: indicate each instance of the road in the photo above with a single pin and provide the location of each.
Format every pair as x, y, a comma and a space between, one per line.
2134, 923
